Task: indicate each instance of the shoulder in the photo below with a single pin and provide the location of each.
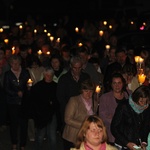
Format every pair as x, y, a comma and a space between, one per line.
105, 95
74, 99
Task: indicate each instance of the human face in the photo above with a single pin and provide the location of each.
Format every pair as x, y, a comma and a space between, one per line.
15, 65
48, 77
117, 85
55, 64
94, 135
76, 68
121, 58
142, 101
84, 57
87, 94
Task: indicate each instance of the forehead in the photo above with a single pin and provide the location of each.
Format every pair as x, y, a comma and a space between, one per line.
93, 125
121, 54
116, 79
15, 61
77, 65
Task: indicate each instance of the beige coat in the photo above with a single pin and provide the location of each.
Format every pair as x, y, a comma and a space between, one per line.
75, 113
108, 147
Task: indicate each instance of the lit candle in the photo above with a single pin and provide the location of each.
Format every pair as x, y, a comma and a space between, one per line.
58, 40
1, 29
45, 30
141, 60
105, 23
101, 32
107, 47
80, 44
13, 50
39, 52
35, 31
30, 82
77, 29
98, 89
6, 41
20, 26
136, 58
110, 26
132, 22
141, 78
48, 34
51, 38
48, 52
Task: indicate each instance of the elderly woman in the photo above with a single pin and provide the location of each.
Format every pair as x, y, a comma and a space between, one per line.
15, 86
92, 135
129, 119
77, 109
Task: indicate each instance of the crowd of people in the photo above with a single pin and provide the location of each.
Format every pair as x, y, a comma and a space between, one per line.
62, 96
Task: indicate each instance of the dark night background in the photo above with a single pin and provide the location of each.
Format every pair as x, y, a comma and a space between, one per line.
15, 10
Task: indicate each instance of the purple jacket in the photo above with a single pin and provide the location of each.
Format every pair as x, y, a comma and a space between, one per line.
107, 106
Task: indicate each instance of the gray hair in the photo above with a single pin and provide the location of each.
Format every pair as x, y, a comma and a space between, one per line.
76, 59
48, 70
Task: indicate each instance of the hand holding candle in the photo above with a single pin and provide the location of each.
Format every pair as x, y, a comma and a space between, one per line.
30, 82
141, 78
98, 89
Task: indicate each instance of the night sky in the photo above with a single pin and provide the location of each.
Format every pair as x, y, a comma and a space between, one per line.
19, 9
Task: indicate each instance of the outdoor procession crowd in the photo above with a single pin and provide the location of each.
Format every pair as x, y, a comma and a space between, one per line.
74, 80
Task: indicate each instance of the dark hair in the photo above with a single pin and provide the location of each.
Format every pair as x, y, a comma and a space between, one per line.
83, 49
118, 75
129, 69
87, 84
141, 92
33, 59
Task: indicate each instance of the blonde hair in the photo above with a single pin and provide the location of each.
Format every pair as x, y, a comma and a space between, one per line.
85, 126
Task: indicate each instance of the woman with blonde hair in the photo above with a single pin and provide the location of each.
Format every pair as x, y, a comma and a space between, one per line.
92, 135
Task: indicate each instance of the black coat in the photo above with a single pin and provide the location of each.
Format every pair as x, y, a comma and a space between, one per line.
127, 125
43, 102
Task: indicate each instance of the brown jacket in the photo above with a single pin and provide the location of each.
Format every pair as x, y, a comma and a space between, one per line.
75, 113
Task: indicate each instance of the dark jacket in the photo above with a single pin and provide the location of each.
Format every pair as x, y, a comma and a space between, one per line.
68, 87
43, 102
12, 85
126, 124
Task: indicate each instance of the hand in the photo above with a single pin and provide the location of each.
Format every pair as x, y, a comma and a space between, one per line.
20, 94
143, 145
130, 145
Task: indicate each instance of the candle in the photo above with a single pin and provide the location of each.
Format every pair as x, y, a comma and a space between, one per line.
101, 32
110, 26
39, 52
136, 58
48, 34
30, 82
35, 31
80, 44
1, 29
58, 40
105, 23
48, 52
141, 78
51, 38
20, 26
141, 60
107, 47
6, 41
98, 89
77, 29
